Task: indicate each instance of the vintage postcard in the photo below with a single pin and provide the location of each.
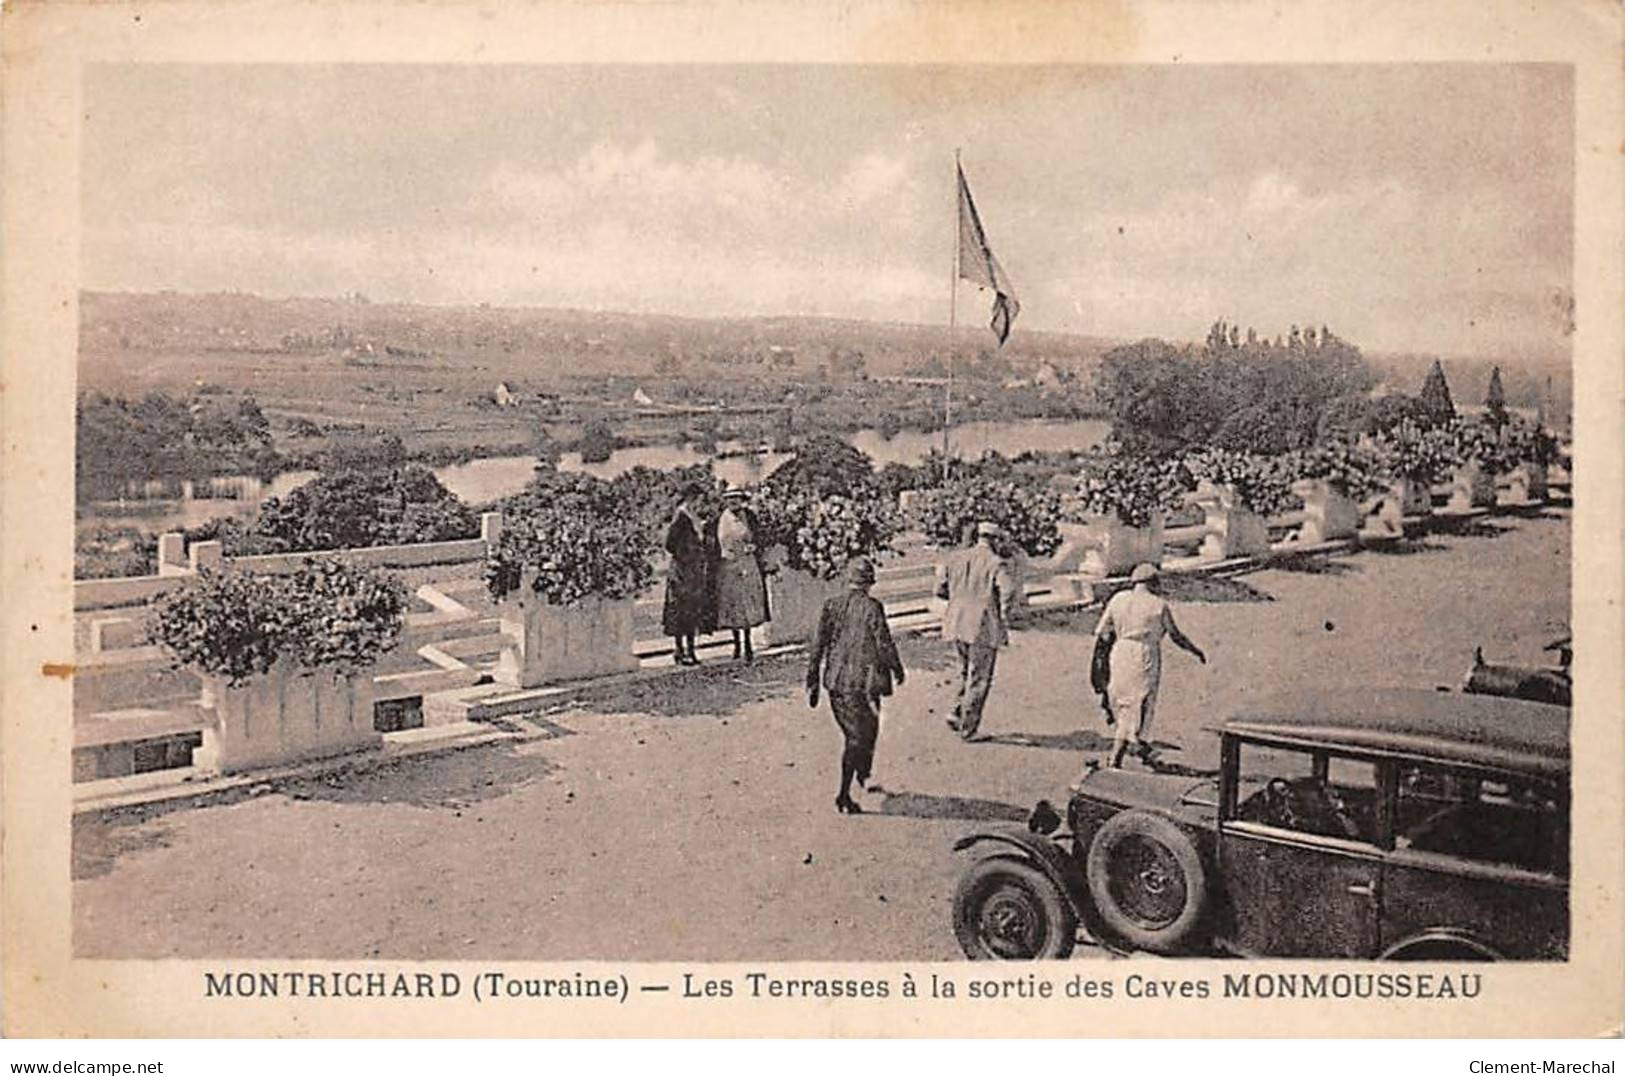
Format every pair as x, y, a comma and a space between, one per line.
826, 520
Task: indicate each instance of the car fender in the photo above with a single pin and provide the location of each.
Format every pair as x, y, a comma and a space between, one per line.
1452, 936
1048, 855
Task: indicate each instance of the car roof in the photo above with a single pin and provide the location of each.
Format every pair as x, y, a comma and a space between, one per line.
1476, 730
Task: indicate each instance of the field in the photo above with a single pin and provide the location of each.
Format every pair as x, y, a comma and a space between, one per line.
431, 374
321, 368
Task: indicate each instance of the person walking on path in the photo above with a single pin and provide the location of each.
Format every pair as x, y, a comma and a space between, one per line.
980, 589
855, 659
1135, 621
741, 584
688, 606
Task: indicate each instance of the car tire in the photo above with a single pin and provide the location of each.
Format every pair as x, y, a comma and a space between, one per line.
1147, 882
1005, 908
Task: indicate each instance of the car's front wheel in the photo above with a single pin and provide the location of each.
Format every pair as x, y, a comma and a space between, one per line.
1007, 909
1147, 882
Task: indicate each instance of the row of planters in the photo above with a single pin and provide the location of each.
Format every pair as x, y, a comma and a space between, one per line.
286, 660
1122, 501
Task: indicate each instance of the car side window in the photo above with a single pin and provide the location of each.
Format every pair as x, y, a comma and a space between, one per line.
1484, 818
1308, 792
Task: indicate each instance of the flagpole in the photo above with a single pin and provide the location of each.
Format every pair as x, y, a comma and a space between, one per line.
953, 322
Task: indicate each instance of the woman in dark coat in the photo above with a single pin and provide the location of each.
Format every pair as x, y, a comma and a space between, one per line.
859, 662
687, 610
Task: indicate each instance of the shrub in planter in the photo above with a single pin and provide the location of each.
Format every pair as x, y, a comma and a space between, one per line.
1351, 468
1261, 484
1412, 453
236, 625
1029, 511
1129, 487
572, 555
1482, 442
255, 639
575, 537
819, 533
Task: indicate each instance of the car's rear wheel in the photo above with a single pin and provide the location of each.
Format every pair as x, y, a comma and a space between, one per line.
1147, 882
1007, 909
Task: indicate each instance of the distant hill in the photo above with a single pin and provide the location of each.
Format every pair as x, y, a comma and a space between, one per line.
580, 341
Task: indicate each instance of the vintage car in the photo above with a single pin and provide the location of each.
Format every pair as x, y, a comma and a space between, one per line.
1399, 824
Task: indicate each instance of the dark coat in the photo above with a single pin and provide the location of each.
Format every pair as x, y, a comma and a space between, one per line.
854, 648
689, 606
1100, 673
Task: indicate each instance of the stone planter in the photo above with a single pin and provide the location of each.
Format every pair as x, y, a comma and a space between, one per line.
288, 715
1117, 547
1527, 484
1233, 530
1329, 514
1471, 487
547, 643
794, 600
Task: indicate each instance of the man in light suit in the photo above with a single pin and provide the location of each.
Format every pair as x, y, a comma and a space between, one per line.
980, 589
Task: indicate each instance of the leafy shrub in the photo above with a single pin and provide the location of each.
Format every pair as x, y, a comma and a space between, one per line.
598, 442
1263, 484
235, 624
821, 532
1130, 486
355, 509
1415, 452
1352, 468
579, 535
1527, 442
825, 464
1029, 511
111, 552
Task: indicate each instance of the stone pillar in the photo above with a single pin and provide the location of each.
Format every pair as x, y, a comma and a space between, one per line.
490, 527
208, 555
1329, 515
172, 554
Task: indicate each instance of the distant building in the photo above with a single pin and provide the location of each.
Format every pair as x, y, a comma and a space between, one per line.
505, 396
641, 398
1047, 376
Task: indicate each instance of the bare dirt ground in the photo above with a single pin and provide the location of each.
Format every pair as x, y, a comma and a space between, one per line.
694, 819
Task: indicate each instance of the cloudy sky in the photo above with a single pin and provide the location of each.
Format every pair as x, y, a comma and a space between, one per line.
1410, 207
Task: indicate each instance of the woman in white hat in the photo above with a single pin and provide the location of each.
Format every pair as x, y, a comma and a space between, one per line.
741, 589
1136, 620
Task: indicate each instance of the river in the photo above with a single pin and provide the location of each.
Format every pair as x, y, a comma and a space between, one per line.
483, 480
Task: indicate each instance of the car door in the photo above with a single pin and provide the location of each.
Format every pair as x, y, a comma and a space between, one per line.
1480, 864
1295, 892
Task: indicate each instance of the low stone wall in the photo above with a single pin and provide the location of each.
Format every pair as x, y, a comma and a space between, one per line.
795, 598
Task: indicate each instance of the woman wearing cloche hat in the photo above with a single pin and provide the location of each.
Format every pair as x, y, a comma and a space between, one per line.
1135, 621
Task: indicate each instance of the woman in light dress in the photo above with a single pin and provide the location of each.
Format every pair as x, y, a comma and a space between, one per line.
1135, 620
741, 588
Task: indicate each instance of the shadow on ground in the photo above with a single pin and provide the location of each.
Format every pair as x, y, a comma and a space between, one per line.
1082, 740
721, 687
1315, 564
1210, 588
449, 782
98, 842
956, 808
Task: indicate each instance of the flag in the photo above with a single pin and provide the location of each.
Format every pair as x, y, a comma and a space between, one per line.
978, 265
